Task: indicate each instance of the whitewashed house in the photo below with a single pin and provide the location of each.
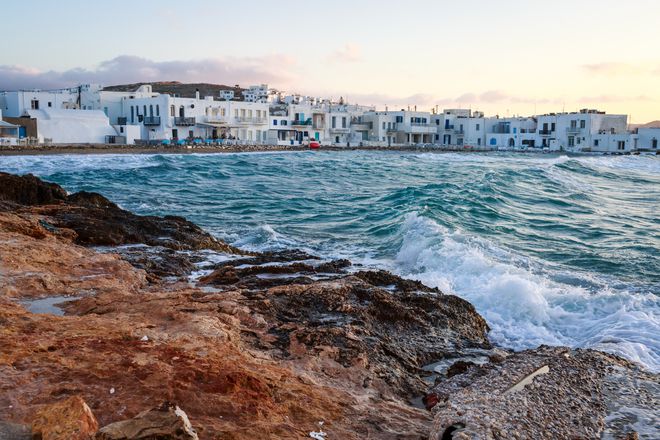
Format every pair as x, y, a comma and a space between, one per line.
400, 127
587, 130
648, 139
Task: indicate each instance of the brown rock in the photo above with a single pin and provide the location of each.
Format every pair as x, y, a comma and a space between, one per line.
166, 422
69, 419
29, 190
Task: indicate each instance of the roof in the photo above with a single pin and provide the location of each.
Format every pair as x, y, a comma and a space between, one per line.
7, 125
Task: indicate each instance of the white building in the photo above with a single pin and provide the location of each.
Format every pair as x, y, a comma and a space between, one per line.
71, 126
587, 130
648, 139
400, 127
256, 93
227, 95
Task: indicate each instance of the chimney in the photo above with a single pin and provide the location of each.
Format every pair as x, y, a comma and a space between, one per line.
196, 93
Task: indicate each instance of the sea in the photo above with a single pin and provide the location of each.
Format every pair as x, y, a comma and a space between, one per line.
550, 249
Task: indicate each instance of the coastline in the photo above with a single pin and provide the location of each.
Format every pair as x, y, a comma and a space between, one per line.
128, 149
275, 342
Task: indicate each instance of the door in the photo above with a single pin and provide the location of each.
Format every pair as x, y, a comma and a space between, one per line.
175, 133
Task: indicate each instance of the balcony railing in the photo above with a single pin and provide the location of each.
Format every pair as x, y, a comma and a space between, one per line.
545, 132
449, 127
573, 130
151, 120
251, 120
184, 121
340, 129
307, 122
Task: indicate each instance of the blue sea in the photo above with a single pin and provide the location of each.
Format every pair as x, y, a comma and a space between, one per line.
550, 249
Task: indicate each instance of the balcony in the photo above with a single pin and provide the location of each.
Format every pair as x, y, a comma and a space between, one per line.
340, 130
151, 120
362, 126
545, 132
251, 120
449, 127
302, 123
573, 130
183, 121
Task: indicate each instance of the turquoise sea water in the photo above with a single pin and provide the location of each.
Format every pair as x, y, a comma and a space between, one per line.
550, 249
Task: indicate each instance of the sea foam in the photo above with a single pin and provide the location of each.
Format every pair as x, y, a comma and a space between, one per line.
524, 302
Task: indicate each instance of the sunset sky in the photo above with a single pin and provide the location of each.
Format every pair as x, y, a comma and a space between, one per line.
502, 57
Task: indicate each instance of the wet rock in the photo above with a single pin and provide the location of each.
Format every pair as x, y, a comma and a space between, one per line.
459, 367
29, 190
166, 422
98, 221
391, 333
69, 419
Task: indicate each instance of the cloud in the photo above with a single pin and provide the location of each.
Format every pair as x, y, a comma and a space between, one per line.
275, 69
349, 53
620, 69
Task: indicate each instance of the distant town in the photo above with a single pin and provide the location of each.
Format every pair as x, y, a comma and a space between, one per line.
259, 115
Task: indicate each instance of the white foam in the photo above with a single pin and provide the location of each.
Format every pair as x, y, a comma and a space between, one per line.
522, 300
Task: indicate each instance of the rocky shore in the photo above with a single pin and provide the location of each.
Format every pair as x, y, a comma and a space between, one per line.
119, 326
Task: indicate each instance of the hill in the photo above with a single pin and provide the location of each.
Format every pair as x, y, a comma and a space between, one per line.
178, 88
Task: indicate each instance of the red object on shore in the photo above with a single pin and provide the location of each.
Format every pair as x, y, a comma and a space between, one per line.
314, 145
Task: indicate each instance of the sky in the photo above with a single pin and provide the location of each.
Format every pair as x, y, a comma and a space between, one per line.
506, 57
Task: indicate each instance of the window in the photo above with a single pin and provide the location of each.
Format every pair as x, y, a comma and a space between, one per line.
249, 113
121, 129
437, 136
479, 141
172, 111
285, 122
596, 143
274, 121
34, 104
145, 110
334, 122
383, 125
437, 122
571, 141
157, 110
399, 119
132, 115
151, 110
583, 123
621, 145
50, 104
236, 113
478, 127
343, 122
552, 127
654, 143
